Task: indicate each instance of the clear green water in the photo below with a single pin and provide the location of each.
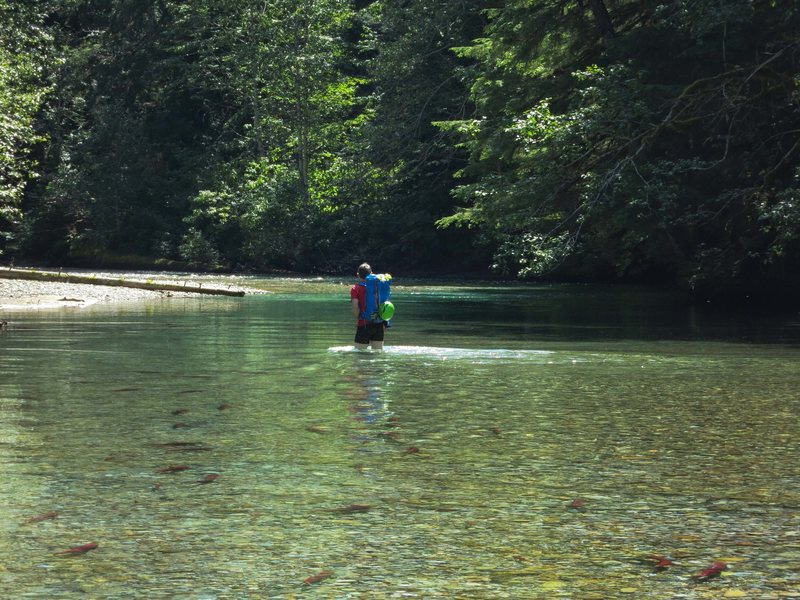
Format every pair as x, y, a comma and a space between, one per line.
677, 428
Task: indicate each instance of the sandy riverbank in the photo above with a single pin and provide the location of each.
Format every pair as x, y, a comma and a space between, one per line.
19, 294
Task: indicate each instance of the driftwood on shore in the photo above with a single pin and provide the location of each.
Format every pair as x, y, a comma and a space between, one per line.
120, 282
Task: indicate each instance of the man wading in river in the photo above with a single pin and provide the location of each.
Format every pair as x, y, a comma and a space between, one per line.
369, 301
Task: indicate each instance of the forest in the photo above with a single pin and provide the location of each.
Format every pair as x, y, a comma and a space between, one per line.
574, 140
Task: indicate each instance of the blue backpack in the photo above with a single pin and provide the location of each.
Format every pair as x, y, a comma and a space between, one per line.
379, 290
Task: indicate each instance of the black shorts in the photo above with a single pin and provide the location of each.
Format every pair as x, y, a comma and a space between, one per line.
371, 332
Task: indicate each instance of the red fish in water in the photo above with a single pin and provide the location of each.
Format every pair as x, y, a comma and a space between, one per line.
411, 450
180, 426
578, 504
209, 478
495, 430
661, 562
224, 406
43, 517
321, 576
713, 571
80, 549
180, 411
172, 469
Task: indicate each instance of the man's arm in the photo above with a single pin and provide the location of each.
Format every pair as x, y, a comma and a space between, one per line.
354, 307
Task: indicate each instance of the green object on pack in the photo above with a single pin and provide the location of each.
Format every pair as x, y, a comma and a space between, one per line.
386, 310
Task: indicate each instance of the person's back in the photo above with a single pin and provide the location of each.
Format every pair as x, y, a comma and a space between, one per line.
368, 334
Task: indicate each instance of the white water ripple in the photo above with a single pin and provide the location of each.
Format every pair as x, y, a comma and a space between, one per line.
450, 353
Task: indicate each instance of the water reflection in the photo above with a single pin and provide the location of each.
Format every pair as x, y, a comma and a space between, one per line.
368, 401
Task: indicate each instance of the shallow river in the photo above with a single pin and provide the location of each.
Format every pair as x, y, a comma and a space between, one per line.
512, 442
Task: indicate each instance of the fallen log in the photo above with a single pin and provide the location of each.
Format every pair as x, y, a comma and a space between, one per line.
120, 282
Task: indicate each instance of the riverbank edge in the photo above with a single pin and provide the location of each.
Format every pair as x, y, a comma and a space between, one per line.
18, 294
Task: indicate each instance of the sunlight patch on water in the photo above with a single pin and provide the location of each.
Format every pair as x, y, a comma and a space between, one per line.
68, 350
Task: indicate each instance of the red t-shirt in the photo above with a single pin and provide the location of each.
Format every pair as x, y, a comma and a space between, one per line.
359, 292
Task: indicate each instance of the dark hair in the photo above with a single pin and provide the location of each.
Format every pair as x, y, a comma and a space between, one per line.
363, 270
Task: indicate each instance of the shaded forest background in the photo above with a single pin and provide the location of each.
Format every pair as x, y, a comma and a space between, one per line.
590, 140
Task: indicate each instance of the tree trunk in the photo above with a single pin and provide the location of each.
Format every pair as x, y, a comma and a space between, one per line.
601, 18
92, 280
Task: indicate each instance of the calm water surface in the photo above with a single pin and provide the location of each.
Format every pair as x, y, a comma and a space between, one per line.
445, 467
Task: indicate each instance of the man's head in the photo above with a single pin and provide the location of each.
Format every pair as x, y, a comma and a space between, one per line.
363, 270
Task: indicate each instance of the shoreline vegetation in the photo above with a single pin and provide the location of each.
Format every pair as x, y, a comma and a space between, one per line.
613, 142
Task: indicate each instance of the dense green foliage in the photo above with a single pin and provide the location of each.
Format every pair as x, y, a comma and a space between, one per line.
588, 139
23, 51
249, 134
662, 144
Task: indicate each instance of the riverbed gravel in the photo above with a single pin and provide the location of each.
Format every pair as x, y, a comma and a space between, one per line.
21, 294
18, 293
